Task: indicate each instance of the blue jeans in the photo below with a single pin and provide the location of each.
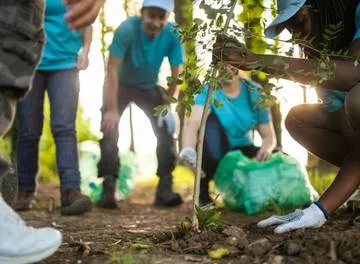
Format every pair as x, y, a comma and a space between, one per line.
63, 91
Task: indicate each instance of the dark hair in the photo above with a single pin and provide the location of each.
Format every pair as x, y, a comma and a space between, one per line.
332, 13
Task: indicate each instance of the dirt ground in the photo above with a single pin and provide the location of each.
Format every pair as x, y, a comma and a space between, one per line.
110, 236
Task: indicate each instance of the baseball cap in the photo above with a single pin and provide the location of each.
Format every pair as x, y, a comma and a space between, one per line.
286, 10
167, 5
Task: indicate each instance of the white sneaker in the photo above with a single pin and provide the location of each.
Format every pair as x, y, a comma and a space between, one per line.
23, 244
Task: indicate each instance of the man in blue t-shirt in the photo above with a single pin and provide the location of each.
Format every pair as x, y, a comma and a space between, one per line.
138, 49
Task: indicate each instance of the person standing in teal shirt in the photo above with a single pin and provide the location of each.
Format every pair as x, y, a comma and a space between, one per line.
228, 127
65, 54
139, 46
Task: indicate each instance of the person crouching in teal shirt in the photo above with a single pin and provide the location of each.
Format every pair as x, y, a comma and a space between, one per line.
137, 51
228, 127
58, 74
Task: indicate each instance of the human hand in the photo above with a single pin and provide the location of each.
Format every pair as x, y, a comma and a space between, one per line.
230, 51
109, 121
82, 61
167, 121
82, 13
187, 157
311, 217
263, 153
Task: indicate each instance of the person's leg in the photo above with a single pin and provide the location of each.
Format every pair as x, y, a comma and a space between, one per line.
7, 113
318, 131
353, 112
30, 118
63, 91
348, 178
8, 177
147, 100
331, 137
108, 166
21, 44
215, 147
21, 37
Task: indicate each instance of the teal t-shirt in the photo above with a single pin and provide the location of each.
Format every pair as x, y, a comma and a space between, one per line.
240, 115
62, 44
333, 100
142, 57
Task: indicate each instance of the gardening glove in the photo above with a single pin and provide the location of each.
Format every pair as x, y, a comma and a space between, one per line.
187, 157
167, 121
311, 217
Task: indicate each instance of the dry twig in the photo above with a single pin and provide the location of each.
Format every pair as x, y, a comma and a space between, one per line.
84, 246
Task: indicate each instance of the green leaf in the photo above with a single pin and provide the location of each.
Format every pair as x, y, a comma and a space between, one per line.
217, 103
218, 253
219, 21
161, 110
139, 246
172, 100
208, 217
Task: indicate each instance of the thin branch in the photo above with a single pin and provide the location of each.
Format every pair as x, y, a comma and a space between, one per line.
200, 141
84, 246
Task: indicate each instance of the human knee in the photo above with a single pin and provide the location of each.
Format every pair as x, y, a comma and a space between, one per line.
63, 130
294, 119
352, 107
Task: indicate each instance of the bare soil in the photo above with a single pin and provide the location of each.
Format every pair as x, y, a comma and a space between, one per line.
110, 236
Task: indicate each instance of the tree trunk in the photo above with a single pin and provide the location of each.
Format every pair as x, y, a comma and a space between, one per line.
277, 118
183, 17
200, 138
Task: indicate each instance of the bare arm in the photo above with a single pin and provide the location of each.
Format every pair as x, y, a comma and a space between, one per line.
110, 94
268, 137
111, 84
192, 126
83, 57
346, 74
87, 39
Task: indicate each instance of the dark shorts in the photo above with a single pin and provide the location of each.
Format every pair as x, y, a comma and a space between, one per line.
21, 43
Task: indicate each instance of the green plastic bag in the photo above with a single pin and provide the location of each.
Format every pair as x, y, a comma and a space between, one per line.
91, 185
250, 186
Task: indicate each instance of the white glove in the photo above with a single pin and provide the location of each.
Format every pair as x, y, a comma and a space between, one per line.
187, 157
168, 121
311, 217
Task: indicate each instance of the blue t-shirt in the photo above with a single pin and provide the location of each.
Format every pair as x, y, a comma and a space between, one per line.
240, 115
141, 56
333, 100
62, 44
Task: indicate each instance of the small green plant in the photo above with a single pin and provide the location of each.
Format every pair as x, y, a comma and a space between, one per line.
209, 218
